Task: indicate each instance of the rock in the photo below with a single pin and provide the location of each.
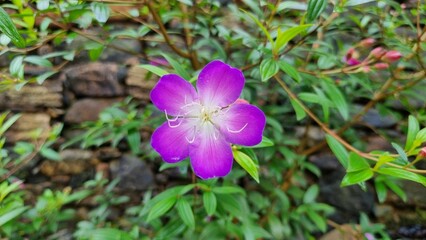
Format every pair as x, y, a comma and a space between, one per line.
140, 82
107, 153
87, 110
134, 173
24, 128
96, 80
349, 201
346, 232
374, 119
74, 161
121, 50
33, 97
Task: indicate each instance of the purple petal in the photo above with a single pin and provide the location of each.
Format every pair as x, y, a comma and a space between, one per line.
219, 84
171, 93
171, 141
243, 124
210, 154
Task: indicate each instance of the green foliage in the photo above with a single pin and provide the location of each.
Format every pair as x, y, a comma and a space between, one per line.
298, 73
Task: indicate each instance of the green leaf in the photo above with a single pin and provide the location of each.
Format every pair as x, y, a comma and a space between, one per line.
317, 220
161, 207
41, 78
50, 154
315, 8
134, 141
284, 37
351, 3
260, 25
16, 65
266, 142
177, 66
310, 194
336, 96
9, 29
290, 70
108, 234
154, 69
357, 163
380, 190
268, 68
101, 11
210, 202
300, 113
39, 61
413, 129
357, 177
185, 212
10, 121
401, 152
248, 164
228, 190
404, 174
338, 150
12, 214
396, 189
42, 4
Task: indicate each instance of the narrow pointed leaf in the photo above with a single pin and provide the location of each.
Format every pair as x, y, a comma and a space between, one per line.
248, 164
9, 29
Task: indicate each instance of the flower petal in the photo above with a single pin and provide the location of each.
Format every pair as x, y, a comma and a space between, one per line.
170, 140
211, 155
242, 124
219, 84
171, 93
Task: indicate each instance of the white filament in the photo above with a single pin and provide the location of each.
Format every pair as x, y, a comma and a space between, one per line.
237, 131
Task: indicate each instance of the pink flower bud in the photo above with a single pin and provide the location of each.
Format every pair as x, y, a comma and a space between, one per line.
381, 66
392, 56
352, 61
368, 42
422, 152
366, 69
378, 52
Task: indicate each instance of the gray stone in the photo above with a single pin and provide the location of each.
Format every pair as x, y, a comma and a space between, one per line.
23, 129
133, 173
349, 201
374, 119
87, 109
140, 82
33, 97
96, 80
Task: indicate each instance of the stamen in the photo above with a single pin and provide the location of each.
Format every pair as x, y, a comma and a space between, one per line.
214, 134
237, 131
192, 140
191, 104
171, 120
174, 126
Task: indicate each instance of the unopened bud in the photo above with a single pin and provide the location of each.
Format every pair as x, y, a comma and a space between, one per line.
392, 56
378, 52
381, 66
422, 152
352, 61
366, 69
368, 42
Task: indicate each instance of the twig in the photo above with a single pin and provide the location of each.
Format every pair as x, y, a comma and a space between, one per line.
163, 31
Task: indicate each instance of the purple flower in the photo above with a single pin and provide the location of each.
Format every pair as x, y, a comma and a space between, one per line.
202, 125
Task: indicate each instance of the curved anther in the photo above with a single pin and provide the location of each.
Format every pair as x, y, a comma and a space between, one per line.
169, 119
237, 131
174, 126
190, 140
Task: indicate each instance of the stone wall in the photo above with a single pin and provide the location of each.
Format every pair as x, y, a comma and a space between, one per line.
78, 93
